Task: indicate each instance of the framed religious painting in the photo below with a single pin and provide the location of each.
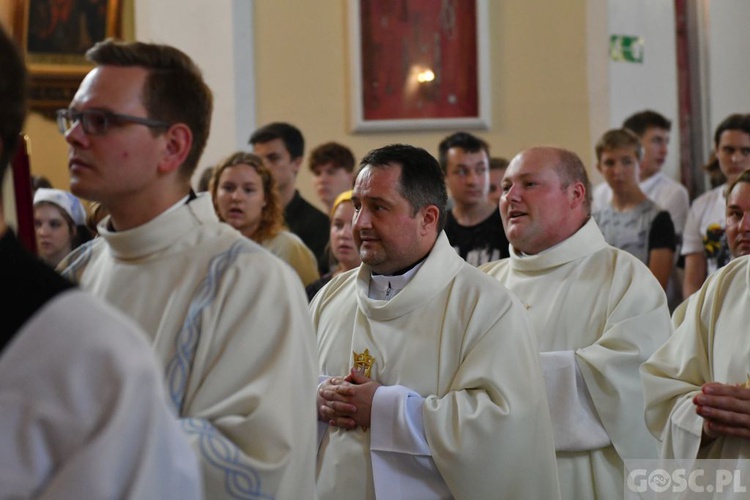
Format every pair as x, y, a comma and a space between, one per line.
54, 36
419, 64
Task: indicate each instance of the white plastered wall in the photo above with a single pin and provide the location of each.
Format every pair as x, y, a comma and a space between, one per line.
219, 38
628, 87
729, 63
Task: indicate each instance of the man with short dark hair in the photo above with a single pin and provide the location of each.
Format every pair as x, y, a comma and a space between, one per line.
281, 146
236, 374
704, 241
332, 166
431, 386
473, 224
598, 313
81, 397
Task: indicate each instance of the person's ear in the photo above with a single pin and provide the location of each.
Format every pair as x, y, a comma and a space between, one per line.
577, 194
296, 164
179, 140
430, 217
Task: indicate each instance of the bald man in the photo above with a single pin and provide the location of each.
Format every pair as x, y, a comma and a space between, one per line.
597, 312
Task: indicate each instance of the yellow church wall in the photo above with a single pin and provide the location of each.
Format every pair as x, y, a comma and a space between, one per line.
538, 61
538, 77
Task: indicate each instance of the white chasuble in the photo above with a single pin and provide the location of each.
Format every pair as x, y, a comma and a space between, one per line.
229, 323
463, 343
603, 304
711, 343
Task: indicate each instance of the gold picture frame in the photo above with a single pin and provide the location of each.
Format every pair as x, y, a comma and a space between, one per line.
54, 36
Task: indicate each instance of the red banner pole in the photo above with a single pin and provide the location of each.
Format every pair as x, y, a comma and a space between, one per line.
24, 195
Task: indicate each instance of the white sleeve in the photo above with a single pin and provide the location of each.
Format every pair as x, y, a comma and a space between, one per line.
402, 465
678, 206
601, 197
692, 240
84, 413
575, 422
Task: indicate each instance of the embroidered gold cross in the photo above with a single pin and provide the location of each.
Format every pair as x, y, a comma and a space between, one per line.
363, 362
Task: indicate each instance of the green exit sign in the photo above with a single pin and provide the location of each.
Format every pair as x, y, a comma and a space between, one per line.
626, 48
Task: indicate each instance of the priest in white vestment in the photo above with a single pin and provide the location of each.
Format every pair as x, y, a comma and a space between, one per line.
738, 215
82, 405
697, 386
597, 312
227, 320
430, 385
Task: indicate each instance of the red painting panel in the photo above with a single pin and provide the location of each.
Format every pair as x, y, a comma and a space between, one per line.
403, 43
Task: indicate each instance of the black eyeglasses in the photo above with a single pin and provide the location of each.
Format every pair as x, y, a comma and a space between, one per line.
98, 121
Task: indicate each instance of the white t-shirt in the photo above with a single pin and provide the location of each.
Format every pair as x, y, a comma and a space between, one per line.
704, 229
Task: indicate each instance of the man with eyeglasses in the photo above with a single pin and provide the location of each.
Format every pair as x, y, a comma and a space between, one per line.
242, 380
81, 397
97, 121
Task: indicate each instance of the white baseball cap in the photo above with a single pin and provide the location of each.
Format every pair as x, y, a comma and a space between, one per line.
64, 200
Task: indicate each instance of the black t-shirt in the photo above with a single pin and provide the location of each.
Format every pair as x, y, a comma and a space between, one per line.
479, 244
317, 285
312, 226
662, 234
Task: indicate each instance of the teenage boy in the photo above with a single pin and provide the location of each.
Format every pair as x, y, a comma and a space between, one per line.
332, 166
631, 221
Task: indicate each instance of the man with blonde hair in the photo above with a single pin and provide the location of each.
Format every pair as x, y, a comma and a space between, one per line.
653, 130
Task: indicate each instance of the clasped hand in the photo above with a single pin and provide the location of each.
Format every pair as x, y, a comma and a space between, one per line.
346, 402
725, 409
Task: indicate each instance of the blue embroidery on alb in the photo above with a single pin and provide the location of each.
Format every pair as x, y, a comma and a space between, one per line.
178, 369
240, 480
